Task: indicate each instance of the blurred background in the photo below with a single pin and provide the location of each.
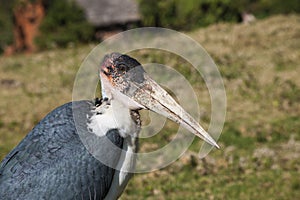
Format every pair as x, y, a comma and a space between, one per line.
256, 45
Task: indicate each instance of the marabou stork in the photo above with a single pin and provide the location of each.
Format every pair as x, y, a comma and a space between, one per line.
51, 162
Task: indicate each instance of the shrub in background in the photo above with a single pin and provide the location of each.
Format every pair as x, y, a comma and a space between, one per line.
63, 24
6, 24
189, 14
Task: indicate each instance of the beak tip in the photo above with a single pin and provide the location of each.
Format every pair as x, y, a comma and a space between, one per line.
207, 138
211, 141
214, 144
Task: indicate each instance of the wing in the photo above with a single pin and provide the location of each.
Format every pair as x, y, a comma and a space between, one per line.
52, 163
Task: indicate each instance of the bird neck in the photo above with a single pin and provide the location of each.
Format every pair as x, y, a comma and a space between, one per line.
113, 114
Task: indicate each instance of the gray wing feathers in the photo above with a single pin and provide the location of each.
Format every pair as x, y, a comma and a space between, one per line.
52, 163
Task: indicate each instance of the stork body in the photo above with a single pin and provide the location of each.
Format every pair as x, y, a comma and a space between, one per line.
85, 149
53, 158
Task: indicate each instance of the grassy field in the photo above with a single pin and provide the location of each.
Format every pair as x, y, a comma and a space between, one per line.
260, 142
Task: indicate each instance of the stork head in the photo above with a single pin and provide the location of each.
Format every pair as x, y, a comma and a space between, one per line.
124, 79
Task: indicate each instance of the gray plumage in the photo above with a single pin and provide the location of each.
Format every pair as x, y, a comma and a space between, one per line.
52, 163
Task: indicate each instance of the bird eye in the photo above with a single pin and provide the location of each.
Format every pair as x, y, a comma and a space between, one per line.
122, 67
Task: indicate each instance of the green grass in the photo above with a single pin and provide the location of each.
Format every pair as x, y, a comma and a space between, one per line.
260, 143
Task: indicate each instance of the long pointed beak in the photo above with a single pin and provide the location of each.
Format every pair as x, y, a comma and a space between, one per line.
150, 95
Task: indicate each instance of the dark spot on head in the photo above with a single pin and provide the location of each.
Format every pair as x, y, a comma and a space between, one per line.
126, 63
130, 67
